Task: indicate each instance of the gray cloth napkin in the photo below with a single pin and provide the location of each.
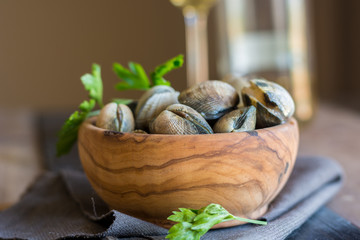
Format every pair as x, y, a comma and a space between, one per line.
63, 205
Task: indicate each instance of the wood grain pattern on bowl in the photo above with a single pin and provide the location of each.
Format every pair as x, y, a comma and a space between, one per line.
150, 175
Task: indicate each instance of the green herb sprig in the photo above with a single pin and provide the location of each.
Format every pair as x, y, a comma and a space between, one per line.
135, 78
124, 101
192, 224
157, 76
93, 83
68, 133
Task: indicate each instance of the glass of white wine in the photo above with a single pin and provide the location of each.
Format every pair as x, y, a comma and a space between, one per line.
195, 13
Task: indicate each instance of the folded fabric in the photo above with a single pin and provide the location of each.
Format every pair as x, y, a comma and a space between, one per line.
63, 205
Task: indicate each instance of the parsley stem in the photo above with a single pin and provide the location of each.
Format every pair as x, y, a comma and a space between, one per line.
93, 113
251, 221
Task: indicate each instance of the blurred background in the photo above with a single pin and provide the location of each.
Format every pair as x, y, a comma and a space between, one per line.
47, 45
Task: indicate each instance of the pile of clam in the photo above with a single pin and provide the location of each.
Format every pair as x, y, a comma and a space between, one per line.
232, 105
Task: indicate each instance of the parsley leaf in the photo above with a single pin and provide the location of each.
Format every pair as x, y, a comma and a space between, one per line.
185, 215
135, 78
68, 133
93, 84
161, 70
122, 101
192, 224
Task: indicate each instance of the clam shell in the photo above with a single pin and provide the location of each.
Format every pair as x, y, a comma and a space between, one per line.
181, 120
238, 82
152, 103
139, 131
149, 93
212, 99
116, 117
239, 120
273, 102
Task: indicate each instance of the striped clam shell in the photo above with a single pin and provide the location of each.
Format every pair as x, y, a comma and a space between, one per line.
181, 120
152, 103
116, 117
212, 99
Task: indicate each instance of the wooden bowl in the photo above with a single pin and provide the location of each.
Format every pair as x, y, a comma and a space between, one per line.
148, 176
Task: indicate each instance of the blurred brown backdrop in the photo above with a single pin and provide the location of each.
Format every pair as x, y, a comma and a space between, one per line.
45, 46
337, 63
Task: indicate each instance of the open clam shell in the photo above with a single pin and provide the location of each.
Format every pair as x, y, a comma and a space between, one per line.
273, 103
239, 120
238, 82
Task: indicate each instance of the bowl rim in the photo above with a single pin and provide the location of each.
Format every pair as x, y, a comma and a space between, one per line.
90, 124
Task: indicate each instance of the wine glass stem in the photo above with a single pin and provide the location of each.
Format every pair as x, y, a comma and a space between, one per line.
196, 46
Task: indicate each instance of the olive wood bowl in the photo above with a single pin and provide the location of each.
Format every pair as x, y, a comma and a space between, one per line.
148, 176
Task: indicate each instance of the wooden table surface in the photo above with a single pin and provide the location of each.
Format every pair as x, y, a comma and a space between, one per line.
333, 132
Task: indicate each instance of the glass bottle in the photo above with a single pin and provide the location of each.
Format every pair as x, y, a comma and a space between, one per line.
270, 39
195, 15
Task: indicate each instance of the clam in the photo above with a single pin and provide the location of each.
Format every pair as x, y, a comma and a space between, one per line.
273, 103
140, 131
212, 99
180, 119
239, 120
152, 103
116, 117
238, 82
